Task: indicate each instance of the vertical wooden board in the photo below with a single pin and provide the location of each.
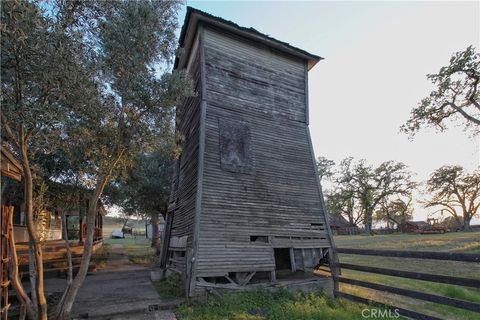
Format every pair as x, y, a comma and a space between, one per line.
292, 260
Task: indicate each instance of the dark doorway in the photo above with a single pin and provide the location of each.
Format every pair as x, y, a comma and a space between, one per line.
282, 259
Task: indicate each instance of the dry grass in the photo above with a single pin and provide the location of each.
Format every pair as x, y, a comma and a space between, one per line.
467, 242
100, 256
138, 250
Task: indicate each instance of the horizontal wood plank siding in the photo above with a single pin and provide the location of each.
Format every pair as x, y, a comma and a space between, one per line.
279, 198
188, 122
255, 78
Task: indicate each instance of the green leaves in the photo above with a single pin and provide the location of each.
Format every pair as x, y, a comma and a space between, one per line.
360, 188
456, 191
324, 167
456, 96
81, 82
145, 189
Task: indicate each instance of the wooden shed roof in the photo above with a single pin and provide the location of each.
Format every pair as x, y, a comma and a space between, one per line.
338, 221
10, 166
195, 16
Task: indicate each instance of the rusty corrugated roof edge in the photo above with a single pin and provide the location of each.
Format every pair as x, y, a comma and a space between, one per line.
247, 33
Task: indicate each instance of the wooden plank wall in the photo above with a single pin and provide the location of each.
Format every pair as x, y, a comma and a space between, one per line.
279, 198
185, 185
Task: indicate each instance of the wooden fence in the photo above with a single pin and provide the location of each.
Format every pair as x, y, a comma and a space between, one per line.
464, 257
5, 244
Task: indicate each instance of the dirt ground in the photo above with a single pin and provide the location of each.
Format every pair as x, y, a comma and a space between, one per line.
120, 290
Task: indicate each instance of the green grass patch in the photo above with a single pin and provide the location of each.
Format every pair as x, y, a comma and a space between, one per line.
100, 257
138, 250
171, 287
272, 305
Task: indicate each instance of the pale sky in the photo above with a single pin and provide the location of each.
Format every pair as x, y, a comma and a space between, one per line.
376, 57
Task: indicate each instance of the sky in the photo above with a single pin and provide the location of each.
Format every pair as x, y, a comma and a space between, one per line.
377, 55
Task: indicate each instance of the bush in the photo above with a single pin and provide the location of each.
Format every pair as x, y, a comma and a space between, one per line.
171, 287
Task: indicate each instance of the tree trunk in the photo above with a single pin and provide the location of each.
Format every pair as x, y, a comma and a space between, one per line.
368, 221
69, 259
32, 275
155, 239
65, 308
37, 249
26, 303
124, 224
466, 223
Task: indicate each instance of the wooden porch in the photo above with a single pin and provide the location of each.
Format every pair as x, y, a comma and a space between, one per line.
56, 250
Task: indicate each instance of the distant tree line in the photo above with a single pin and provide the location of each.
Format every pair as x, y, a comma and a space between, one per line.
363, 193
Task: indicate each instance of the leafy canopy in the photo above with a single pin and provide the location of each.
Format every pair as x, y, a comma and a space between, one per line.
360, 188
455, 191
456, 96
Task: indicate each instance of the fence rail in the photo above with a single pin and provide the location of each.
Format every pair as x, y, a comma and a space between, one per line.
466, 282
464, 257
401, 311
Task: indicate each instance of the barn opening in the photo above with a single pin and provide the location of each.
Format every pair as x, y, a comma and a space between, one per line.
259, 239
282, 259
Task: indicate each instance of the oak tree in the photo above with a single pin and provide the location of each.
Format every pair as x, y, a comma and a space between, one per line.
396, 211
371, 185
456, 96
456, 192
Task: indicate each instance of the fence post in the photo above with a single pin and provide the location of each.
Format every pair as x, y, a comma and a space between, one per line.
4, 260
334, 268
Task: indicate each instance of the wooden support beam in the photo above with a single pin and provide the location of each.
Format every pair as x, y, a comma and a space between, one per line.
243, 278
230, 280
292, 260
273, 276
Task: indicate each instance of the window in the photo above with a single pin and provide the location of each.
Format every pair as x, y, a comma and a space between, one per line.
259, 239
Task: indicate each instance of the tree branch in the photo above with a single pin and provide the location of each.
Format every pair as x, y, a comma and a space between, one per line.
462, 112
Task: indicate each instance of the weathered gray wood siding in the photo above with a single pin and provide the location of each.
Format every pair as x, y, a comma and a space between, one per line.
185, 186
279, 197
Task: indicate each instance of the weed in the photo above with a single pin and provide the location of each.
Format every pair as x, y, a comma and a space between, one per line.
170, 287
271, 305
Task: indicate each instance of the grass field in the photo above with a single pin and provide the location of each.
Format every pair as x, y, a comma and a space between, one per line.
264, 305
138, 249
462, 242
277, 305
110, 223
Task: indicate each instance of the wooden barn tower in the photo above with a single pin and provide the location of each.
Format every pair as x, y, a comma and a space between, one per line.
246, 205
